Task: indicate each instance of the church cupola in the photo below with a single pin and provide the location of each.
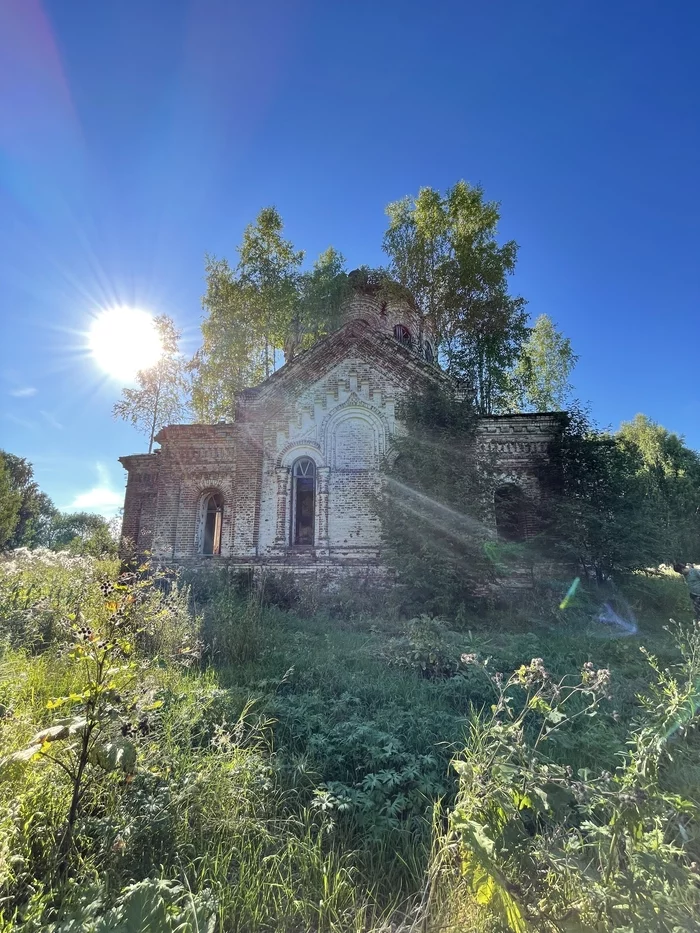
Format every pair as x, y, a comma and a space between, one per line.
390, 310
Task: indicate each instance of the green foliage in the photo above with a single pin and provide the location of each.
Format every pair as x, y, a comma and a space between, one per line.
10, 502
268, 271
426, 649
443, 248
548, 848
621, 502
263, 307
40, 590
669, 473
154, 905
233, 631
228, 360
160, 396
36, 510
321, 293
600, 519
435, 502
376, 774
28, 518
83, 534
540, 378
286, 766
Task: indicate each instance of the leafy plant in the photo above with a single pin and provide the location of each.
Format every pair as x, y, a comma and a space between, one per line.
551, 849
96, 736
426, 650
154, 905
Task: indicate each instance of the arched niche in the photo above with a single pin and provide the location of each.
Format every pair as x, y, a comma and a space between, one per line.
355, 437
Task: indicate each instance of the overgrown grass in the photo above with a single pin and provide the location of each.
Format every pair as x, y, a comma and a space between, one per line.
288, 774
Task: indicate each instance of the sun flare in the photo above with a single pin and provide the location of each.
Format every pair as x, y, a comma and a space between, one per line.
124, 340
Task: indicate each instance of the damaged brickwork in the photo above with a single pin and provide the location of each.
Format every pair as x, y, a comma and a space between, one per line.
233, 494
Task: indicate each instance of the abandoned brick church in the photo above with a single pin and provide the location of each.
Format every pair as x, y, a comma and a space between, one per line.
288, 482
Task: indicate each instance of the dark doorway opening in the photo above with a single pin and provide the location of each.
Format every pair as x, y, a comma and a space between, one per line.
212, 524
510, 506
304, 475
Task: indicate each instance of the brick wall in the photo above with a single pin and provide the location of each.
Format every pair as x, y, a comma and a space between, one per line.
335, 403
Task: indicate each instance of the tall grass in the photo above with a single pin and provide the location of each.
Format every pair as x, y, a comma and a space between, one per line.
291, 761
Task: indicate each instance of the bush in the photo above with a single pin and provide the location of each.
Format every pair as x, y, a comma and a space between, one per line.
544, 846
426, 649
41, 590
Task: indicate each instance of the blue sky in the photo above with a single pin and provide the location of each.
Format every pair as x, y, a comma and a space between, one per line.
136, 136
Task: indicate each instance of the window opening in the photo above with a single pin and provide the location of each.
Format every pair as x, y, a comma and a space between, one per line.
304, 490
213, 517
403, 335
510, 506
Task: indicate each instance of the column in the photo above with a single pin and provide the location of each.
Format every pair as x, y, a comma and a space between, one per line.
281, 536
323, 481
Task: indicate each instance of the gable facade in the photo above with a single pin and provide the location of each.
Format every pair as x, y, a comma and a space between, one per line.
290, 482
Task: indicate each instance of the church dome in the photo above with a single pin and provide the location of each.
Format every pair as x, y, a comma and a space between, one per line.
390, 310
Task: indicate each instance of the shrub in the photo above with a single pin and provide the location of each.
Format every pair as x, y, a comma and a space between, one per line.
426, 649
546, 847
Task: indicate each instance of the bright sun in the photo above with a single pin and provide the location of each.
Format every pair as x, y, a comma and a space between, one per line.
123, 341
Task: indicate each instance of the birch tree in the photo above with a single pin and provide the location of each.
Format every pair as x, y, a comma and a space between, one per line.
160, 396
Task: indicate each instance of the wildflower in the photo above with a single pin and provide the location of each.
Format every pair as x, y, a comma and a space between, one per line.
598, 681
468, 659
533, 673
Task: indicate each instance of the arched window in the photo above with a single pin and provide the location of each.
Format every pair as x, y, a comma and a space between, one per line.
510, 506
213, 516
303, 500
403, 335
429, 355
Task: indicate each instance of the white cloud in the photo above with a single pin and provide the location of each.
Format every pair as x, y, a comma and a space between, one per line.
26, 392
102, 498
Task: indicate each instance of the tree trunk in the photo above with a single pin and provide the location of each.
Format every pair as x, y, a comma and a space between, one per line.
155, 419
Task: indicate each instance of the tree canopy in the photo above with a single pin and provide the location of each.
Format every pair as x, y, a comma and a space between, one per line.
28, 517
443, 249
259, 311
669, 473
540, 378
10, 502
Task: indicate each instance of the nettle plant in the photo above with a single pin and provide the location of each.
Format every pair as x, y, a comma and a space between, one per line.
425, 649
96, 726
550, 848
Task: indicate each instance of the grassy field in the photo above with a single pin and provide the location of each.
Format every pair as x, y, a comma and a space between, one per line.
293, 768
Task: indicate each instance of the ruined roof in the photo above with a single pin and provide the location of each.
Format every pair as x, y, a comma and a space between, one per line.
359, 335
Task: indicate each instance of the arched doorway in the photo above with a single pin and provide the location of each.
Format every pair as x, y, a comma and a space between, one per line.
303, 501
213, 517
511, 509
